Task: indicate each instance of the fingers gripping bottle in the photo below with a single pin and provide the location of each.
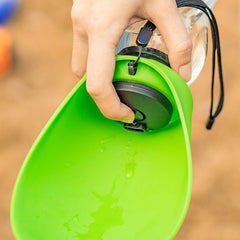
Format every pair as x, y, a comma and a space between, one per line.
143, 39
196, 24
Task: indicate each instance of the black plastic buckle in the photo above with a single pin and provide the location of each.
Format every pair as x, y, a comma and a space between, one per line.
132, 67
136, 126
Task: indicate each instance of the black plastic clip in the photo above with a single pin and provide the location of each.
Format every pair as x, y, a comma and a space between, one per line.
132, 65
136, 126
142, 40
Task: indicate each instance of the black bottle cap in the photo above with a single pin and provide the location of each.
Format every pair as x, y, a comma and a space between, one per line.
153, 110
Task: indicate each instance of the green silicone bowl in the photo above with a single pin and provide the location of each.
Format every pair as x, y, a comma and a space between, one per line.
88, 178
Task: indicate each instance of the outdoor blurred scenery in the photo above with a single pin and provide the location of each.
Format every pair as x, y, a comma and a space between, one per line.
40, 77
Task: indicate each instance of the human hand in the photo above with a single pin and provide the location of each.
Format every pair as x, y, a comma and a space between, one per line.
97, 29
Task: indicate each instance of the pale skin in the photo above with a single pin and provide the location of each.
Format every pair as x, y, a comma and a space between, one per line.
97, 28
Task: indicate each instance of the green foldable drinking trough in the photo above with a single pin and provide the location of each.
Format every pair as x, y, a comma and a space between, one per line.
88, 178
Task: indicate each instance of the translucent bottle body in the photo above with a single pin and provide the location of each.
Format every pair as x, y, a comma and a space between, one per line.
196, 24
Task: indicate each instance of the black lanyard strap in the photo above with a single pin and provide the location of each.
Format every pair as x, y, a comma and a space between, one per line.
198, 4
147, 31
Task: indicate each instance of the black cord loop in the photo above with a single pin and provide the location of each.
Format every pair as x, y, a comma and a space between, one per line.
147, 31
199, 4
132, 65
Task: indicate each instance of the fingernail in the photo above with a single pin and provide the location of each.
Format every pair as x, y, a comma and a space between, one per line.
128, 120
186, 72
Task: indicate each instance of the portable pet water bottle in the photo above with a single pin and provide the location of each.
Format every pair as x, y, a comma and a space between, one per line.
142, 39
196, 24
88, 177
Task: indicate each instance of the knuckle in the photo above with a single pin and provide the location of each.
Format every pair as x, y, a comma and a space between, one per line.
97, 24
181, 54
93, 89
104, 24
74, 15
77, 12
184, 46
76, 71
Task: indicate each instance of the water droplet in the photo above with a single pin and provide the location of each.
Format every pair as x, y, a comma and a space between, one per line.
129, 174
129, 169
104, 142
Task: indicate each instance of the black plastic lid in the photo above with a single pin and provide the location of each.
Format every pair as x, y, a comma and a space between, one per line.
152, 109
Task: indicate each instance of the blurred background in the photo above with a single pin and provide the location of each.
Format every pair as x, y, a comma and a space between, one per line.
39, 78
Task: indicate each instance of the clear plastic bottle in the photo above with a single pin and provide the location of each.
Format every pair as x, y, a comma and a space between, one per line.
197, 25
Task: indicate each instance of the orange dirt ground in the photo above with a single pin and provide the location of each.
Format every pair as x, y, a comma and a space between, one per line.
41, 77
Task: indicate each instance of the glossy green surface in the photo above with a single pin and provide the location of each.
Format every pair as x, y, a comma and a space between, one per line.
88, 178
